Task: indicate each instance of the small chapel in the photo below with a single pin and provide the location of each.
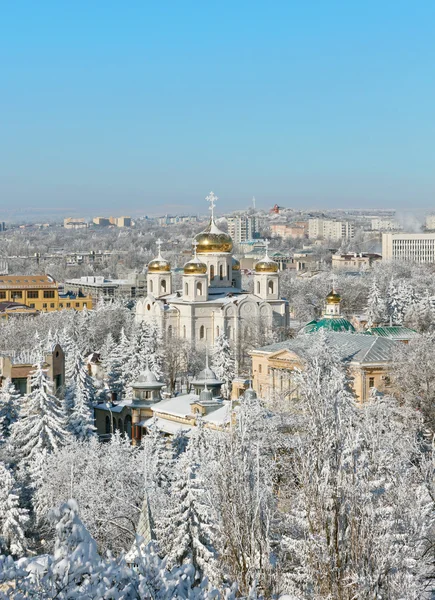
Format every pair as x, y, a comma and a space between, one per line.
212, 300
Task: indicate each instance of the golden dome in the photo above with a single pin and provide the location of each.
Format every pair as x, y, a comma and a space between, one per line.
213, 239
159, 265
236, 265
195, 267
266, 265
333, 298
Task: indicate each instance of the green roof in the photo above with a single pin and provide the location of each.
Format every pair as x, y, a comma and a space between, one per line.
330, 323
396, 332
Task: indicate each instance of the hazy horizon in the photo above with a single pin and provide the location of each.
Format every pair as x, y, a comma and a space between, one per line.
144, 108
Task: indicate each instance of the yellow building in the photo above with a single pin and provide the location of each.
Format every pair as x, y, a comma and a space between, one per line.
368, 359
39, 292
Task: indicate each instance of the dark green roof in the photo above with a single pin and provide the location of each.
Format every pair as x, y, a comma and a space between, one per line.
395, 332
330, 323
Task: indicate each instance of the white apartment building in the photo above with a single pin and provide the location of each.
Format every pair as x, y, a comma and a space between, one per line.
243, 229
415, 247
330, 229
384, 225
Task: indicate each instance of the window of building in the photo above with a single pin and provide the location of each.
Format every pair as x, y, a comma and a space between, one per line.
127, 425
77, 304
85, 305
58, 381
170, 331
217, 331
33, 294
2, 295
202, 332
32, 305
371, 382
60, 305
49, 294
258, 287
68, 304
107, 424
186, 288
260, 368
52, 305
163, 286
199, 288
270, 285
151, 286
221, 272
17, 294
44, 305
228, 272
20, 384
184, 331
211, 272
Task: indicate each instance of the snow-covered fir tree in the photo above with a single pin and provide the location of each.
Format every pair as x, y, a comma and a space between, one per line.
376, 306
223, 363
41, 426
9, 406
79, 396
13, 518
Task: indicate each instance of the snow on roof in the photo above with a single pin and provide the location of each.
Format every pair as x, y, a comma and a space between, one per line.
165, 425
178, 406
220, 416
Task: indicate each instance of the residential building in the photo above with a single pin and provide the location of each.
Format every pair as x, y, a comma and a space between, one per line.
243, 228
133, 286
415, 247
101, 221
18, 366
167, 220
39, 292
368, 359
430, 222
290, 230
211, 299
385, 225
354, 262
329, 229
121, 221
74, 223
2, 226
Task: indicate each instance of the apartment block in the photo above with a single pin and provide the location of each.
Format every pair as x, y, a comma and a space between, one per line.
384, 225
290, 230
74, 223
413, 247
243, 229
329, 229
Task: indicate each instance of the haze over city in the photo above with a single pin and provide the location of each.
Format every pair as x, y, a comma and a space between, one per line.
320, 105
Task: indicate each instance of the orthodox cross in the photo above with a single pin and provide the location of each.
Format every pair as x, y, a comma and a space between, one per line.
194, 244
333, 283
159, 245
266, 245
212, 199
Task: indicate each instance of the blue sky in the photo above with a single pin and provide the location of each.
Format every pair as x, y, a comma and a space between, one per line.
115, 107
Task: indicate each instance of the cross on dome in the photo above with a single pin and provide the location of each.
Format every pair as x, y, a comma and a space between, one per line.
266, 245
159, 245
212, 198
194, 244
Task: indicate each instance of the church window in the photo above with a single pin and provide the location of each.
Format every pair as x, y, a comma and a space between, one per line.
202, 332
148, 306
186, 288
184, 331
107, 424
258, 287
221, 272
211, 272
230, 333
199, 288
270, 286
228, 272
170, 331
151, 286
217, 331
163, 286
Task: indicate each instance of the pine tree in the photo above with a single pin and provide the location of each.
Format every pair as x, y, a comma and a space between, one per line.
376, 306
161, 460
223, 363
394, 304
41, 426
79, 396
9, 406
13, 519
186, 532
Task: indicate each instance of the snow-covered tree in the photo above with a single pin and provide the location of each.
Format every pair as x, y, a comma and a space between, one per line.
376, 305
79, 396
41, 427
223, 363
13, 518
9, 406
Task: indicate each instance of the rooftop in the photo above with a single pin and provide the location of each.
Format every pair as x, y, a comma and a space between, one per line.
27, 281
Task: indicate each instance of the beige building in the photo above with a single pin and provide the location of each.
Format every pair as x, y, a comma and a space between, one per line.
367, 357
414, 247
18, 367
74, 223
354, 261
330, 229
292, 230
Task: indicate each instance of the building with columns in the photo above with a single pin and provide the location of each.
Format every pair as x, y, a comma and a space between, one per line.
211, 300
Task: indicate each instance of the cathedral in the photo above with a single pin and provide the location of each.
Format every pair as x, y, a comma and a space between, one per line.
212, 300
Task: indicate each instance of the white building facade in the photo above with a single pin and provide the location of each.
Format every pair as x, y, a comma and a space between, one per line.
243, 229
211, 300
329, 229
414, 247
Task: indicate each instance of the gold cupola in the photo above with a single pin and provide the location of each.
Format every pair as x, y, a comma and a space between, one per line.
213, 239
159, 264
266, 264
195, 266
235, 264
333, 297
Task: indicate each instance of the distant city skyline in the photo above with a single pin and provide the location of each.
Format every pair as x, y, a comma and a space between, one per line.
143, 108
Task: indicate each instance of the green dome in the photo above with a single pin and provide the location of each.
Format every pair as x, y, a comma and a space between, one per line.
331, 324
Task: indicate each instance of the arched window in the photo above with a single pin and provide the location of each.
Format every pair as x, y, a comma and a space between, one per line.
120, 425
151, 285
217, 331
230, 333
211, 272
186, 289
270, 287
199, 288
163, 286
228, 272
115, 426
221, 272
170, 331
258, 287
260, 368
202, 332
148, 306
184, 331
127, 425
108, 428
